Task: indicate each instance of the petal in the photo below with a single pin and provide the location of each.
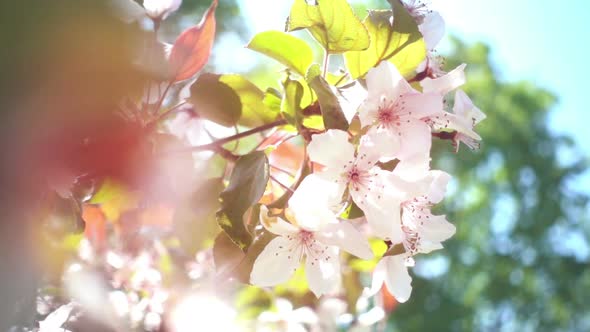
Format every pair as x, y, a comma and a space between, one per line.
433, 29
421, 105
446, 83
276, 263
350, 98
379, 275
413, 168
323, 271
276, 225
403, 189
386, 80
415, 139
397, 280
346, 237
368, 112
446, 120
438, 186
315, 200
331, 149
371, 146
384, 142
464, 108
384, 219
436, 230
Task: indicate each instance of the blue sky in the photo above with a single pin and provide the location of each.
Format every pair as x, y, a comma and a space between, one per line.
543, 41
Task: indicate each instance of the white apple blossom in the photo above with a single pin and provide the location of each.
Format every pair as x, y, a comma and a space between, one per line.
432, 27
316, 236
395, 112
418, 231
347, 168
160, 9
430, 23
465, 114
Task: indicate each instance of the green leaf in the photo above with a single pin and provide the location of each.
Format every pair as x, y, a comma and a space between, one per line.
329, 105
216, 100
291, 103
399, 42
286, 49
272, 99
254, 111
246, 185
332, 23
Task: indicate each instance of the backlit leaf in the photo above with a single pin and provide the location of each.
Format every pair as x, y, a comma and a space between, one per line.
254, 112
291, 103
191, 49
332, 23
288, 50
215, 100
394, 37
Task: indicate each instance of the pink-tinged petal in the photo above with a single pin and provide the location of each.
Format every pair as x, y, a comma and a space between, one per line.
331, 149
405, 190
379, 275
368, 112
323, 271
437, 229
432, 29
446, 83
314, 202
415, 139
344, 236
383, 142
438, 186
397, 280
464, 108
384, 219
421, 105
413, 168
350, 98
276, 225
276, 263
386, 80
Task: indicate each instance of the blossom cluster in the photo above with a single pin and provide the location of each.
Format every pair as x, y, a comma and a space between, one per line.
371, 155
397, 123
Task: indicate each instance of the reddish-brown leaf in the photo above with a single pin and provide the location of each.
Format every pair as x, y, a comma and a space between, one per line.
191, 49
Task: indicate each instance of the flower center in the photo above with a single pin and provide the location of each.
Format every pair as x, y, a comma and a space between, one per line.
357, 178
391, 113
386, 116
306, 237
